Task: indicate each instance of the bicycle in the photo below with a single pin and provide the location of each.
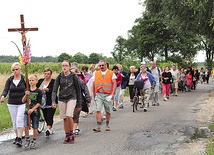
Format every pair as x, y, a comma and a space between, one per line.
41, 122
138, 85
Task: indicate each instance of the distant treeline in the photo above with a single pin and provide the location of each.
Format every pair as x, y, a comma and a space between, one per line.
4, 58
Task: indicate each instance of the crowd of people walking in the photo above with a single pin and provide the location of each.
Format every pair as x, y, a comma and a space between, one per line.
94, 89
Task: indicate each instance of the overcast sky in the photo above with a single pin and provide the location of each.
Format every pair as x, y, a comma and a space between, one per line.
69, 26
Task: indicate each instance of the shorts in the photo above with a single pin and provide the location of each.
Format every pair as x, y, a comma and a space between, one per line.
175, 84
102, 101
67, 109
34, 120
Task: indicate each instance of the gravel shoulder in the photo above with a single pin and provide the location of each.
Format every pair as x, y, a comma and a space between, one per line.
203, 116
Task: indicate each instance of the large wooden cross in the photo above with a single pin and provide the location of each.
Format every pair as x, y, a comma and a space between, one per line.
22, 30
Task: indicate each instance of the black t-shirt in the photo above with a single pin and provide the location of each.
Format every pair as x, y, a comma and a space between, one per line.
35, 97
166, 75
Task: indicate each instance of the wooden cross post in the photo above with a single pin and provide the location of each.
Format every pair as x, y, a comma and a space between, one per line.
23, 31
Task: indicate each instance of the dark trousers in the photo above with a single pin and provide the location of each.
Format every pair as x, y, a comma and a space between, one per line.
131, 91
48, 115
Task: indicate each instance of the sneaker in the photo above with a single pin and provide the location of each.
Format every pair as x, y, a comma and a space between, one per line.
153, 104
47, 132
66, 140
121, 106
114, 109
165, 99
71, 139
107, 128
33, 144
158, 104
15, 140
97, 129
141, 106
19, 142
27, 143
76, 132
145, 110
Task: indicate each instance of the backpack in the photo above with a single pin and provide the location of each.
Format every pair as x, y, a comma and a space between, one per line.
139, 84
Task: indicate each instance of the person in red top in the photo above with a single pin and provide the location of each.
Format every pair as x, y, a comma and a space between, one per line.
115, 69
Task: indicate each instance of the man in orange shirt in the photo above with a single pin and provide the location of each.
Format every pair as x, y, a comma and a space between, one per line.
104, 86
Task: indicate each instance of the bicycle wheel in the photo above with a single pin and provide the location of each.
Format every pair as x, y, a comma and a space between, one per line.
41, 122
135, 103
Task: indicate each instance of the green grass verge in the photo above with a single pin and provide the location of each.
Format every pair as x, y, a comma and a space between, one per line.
210, 144
5, 121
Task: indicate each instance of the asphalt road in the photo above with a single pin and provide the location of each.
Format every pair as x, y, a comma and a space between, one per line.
159, 131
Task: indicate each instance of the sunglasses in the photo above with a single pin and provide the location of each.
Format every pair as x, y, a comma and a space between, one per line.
102, 65
15, 69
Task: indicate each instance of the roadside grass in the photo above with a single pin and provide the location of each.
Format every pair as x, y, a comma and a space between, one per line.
5, 121
210, 144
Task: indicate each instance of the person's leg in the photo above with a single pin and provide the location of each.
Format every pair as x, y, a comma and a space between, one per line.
152, 96
99, 106
13, 109
76, 120
49, 119
116, 98
71, 104
131, 92
122, 92
146, 98
164, 91
20, 123
156, 94
168, 86
107, 106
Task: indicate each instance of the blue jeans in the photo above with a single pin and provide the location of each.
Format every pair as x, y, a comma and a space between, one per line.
116, 96
34, 120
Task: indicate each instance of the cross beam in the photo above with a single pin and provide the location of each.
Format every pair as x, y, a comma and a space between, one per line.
22, 30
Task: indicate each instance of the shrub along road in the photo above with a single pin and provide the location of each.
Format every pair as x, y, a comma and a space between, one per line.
161, 130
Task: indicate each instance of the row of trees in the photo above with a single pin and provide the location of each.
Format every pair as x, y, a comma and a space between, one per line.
81, 58
170, 30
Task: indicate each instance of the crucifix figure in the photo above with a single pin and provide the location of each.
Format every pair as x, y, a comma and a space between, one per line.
22, 30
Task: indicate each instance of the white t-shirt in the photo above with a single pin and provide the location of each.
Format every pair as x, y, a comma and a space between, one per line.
147, 83
16, 82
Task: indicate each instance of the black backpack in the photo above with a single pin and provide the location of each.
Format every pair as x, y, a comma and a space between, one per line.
139, 84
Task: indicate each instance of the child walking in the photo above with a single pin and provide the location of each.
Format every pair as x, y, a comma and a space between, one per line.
35, 98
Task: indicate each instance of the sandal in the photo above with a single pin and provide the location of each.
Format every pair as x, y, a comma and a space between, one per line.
97, 129
107, 128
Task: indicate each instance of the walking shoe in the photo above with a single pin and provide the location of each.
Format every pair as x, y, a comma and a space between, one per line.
76, 132
33, 144
141, 106
19, 142
66, 140
153, 104
158, 104
71, 138
27, 143
107, 128
121, 106
165, 99
47, 133
114, 109
97, 129
145, 110
15, 140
